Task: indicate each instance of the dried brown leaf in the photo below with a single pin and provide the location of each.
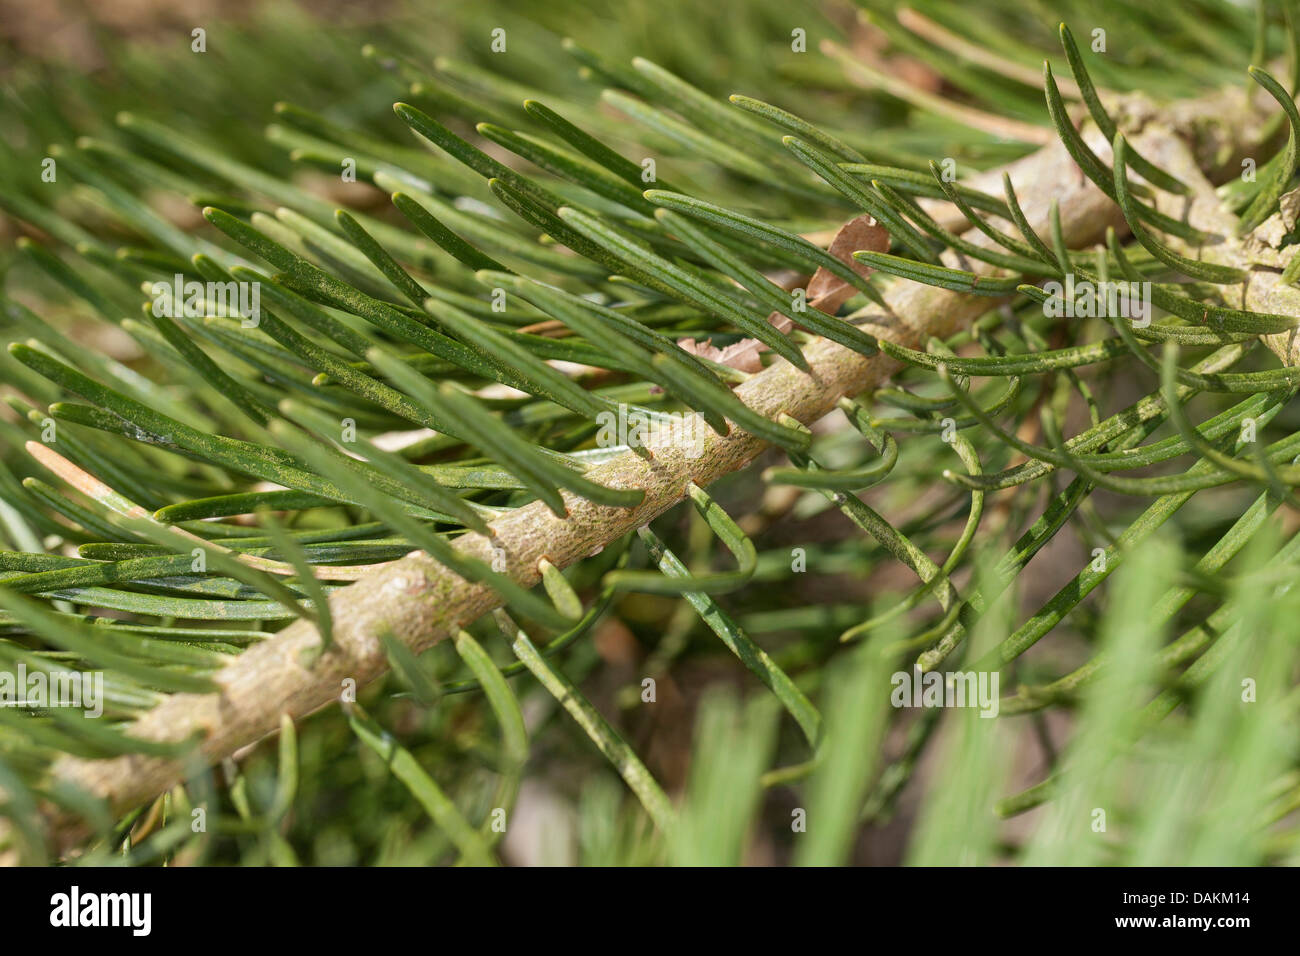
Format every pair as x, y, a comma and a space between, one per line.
826, 291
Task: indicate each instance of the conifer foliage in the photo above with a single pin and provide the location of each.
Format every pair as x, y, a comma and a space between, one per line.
714, 442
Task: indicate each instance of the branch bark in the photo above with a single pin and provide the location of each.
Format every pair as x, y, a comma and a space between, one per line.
1254, 253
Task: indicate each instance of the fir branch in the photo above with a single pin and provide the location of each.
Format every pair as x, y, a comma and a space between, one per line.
420, 602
